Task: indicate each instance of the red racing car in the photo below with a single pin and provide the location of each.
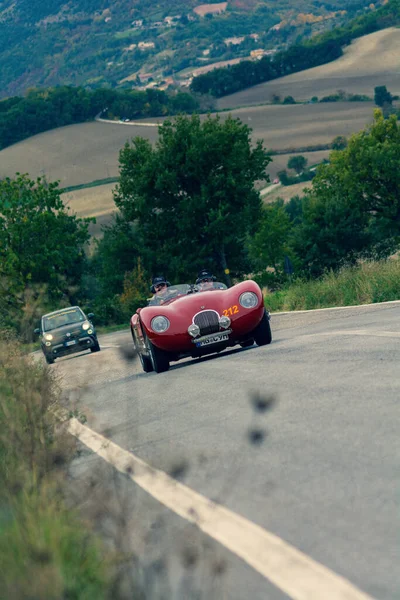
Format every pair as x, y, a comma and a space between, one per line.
187, 322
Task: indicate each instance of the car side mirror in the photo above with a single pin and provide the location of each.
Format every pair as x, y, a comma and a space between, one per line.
37, 331
90, 315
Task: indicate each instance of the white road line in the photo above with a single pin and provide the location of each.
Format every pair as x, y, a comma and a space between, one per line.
365, 332
332, 308
289, 569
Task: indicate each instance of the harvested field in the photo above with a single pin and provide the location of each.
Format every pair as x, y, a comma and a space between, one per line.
206, 9
98, 201
216, 65
287, 192
74, 155
301, 125
92, 202
279, 161
369, 61
83, 153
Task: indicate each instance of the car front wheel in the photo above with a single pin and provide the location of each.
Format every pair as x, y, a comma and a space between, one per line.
96, 347
145, 361
159, 358
247, 343
49, 359
262, 333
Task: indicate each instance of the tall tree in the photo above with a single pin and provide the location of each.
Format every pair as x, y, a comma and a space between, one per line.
193, 194
354, 205
40, 242
269, 245
298, 163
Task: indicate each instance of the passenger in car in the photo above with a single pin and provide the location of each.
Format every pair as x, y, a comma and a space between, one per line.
205, 281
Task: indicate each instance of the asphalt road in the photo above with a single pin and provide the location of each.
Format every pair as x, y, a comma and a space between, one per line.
320, 469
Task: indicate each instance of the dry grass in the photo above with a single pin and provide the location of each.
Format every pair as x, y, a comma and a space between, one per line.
369, 61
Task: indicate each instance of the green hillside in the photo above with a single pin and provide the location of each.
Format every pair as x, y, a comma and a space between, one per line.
95, 42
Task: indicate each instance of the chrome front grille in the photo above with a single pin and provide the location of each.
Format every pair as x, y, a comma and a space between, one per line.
208, 321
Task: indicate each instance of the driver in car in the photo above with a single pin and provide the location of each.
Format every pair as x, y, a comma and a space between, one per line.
205, 281
159, 288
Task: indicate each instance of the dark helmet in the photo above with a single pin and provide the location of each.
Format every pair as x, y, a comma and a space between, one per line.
157, 281
204, 274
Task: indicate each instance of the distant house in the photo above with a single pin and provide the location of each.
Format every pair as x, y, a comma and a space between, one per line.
259, 53
255, 36
172, 20
146, 45
186, 82
137, 23
233, 41
145, 77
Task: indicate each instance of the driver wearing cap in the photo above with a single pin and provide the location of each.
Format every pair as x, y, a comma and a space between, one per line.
159, 288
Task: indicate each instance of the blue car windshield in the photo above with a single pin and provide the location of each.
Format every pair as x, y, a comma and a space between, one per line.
62, 318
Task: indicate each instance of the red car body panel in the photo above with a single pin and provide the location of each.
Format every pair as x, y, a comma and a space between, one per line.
181, 311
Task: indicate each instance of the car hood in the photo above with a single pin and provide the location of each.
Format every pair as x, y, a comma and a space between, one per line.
73, 330
185, 307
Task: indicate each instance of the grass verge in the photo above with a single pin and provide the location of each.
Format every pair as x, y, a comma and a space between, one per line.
366, 283
45, 549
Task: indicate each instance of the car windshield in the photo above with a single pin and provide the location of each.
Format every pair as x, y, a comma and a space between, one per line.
62, 318
168, 294
208, 286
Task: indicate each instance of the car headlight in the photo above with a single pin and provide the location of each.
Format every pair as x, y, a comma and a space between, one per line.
90, 331
48, 343
85, 325
48, 337
194, 330
224, 322
160, 324
248, 300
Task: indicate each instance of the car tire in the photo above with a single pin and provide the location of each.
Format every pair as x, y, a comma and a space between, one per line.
262, 333
49, 359
145, 361
159, 358
247, 343
96, 347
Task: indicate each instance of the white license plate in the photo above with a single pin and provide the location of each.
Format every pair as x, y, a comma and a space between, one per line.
70, 343
213, 339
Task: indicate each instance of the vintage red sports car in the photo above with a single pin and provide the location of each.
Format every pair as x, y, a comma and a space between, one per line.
186, 322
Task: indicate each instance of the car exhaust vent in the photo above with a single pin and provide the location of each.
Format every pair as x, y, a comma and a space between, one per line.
208, 321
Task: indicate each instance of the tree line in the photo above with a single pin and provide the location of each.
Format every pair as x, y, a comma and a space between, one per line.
320, 50
44, 109
188, 203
